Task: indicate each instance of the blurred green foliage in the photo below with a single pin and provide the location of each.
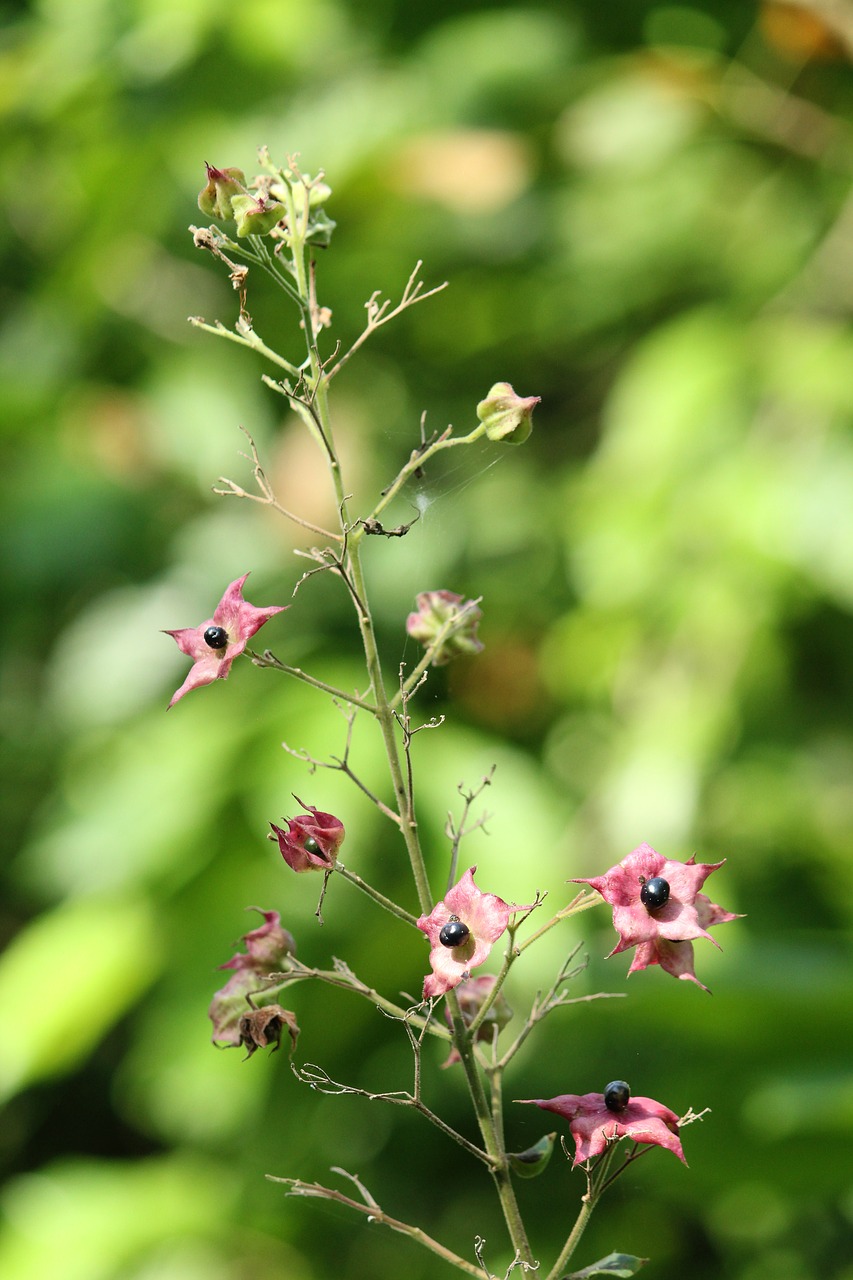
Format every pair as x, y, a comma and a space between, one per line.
644, 213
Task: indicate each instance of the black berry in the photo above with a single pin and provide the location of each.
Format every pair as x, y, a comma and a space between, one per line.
617, 1095
655, 893
216, 637
454, 933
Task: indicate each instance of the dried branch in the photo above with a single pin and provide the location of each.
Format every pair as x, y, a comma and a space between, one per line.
266, 497
342, 765
374, 1213
518, 1261
318, 1079
378, 313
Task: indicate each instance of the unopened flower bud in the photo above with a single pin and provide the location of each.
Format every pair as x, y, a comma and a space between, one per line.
311, 840
507, 416
222, 186
256, 216
450, 620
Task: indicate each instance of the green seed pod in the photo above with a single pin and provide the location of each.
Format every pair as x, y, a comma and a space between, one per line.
215, 200
505, 415
533, 1161
256, 217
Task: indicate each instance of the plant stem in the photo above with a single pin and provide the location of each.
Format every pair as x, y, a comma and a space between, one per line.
352, 553
384, 902
246, 338
597, 1181
417, 460
375, 1214
345, 980
492, 1133
558, 1269
582, 902
268, 659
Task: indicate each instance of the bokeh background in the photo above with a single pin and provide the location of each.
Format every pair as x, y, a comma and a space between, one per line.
644, 214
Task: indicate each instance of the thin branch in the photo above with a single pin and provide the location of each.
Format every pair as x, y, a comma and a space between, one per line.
245, 336
378, 313
417, 460
456, 833
343, 978
377, 897
268, 659
581, 902
266, 497
404, 720
554, 999
374, 1213
520, 914
342, 765
518, 1261
318, 1079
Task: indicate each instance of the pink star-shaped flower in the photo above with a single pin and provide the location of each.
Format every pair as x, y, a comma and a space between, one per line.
593, 1125
677, 919
477, 919
217, 642
677, 957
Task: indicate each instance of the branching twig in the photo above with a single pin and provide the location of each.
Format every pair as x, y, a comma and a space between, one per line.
319, 1079
266, 497
456, 833
342, 765
553, 999
404, 720
342, 977
245, 336
378, 313
268, 659
374, 1213
518, 1261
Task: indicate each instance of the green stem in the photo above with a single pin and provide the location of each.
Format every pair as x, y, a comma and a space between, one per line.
268, 659
491, 1132
558, 1269
247, 338
417, 460
582, 902
346, 981
448, 629
384, 902
374, 1214
597, 1181
383, 711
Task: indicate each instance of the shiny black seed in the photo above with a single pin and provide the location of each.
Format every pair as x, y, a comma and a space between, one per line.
655, 893
617, 1095
310, 845
216, 637
454, 933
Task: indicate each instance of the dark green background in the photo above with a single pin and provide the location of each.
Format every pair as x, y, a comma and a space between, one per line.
643, 212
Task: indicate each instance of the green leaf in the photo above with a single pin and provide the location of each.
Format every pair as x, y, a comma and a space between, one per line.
615, 1264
